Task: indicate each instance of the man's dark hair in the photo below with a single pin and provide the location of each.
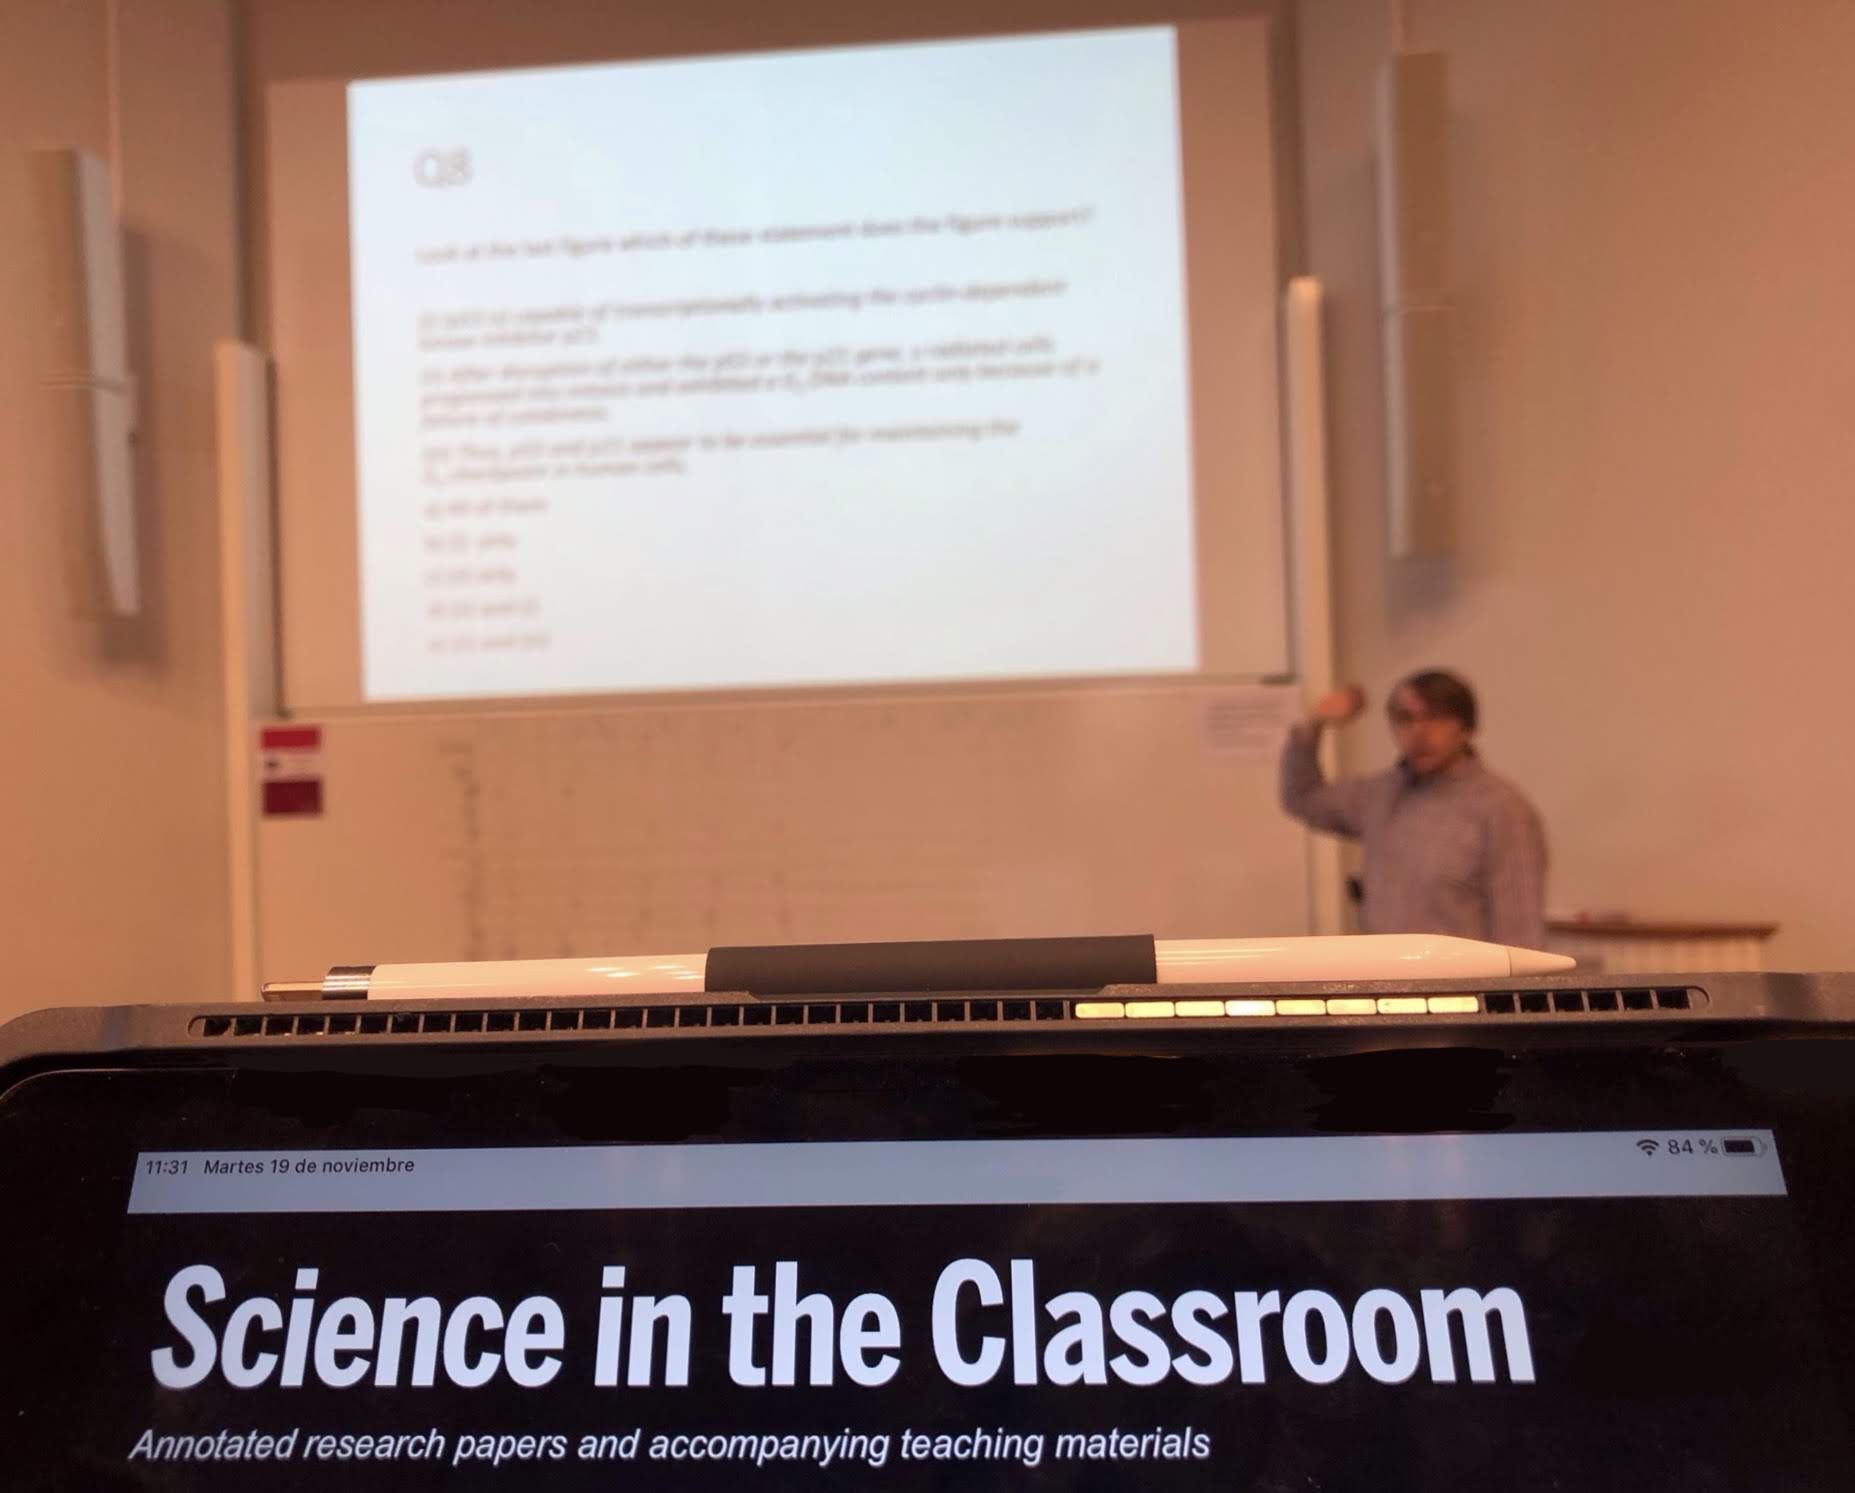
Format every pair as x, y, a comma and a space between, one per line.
1443, 693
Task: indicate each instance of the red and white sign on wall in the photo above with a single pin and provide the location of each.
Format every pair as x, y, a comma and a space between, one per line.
290, 769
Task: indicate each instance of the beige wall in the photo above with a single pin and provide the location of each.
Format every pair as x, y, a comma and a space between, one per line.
1654, 219
1654, 223
112, 850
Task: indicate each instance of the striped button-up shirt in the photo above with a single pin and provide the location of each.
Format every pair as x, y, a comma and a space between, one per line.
1461, 851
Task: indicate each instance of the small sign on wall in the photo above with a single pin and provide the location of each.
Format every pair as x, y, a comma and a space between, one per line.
290, 770
1248, 722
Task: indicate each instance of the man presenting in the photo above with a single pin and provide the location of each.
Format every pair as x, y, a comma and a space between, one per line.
1449, 847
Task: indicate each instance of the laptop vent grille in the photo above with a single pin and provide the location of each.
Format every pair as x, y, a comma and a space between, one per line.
502, 1021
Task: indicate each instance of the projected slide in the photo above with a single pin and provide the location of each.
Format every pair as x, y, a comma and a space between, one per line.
797, 369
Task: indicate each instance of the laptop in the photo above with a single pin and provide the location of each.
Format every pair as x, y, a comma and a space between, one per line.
1520, 1235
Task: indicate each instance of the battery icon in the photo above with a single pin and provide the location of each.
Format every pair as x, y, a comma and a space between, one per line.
1741, 1145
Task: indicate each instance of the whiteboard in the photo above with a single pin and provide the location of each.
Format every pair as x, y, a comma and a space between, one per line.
673, 828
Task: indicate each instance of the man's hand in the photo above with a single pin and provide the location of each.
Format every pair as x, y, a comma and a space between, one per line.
1338, 707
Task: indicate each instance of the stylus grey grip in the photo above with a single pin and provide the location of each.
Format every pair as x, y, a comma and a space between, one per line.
966, 964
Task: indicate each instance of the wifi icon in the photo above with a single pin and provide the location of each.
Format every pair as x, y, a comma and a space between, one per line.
1647, 1146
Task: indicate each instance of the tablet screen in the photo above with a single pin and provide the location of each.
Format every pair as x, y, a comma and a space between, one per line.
1395, 1270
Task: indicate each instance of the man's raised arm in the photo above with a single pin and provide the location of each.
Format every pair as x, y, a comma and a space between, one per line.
1306, 792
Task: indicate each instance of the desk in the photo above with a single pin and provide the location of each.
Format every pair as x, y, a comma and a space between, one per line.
1624, 945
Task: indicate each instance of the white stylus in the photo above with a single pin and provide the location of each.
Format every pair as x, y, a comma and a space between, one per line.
979, 964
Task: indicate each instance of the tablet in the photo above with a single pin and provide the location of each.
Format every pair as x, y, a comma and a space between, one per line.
1559, 1239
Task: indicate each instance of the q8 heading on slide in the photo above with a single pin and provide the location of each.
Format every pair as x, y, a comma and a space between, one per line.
1520, 1232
